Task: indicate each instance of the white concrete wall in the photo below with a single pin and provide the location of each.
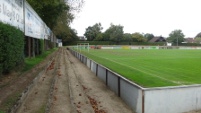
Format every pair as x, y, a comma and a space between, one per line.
101, 73
93, 66
88, 63
132, 95
173, 99
112, 82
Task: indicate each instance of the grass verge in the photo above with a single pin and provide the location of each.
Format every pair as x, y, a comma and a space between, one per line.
31, 62
10, 101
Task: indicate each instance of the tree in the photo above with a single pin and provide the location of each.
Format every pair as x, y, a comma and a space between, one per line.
115, 33
198, 35
127, 37
198, 40
137, 37
94, 32
148, 36
69, 36
176, 37
99, 37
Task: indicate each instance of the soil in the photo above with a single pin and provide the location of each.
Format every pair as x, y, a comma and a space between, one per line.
61, 84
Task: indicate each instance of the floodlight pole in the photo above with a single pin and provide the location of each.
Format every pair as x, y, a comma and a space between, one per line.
177, 41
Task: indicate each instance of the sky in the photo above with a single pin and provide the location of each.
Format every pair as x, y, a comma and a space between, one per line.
159, 17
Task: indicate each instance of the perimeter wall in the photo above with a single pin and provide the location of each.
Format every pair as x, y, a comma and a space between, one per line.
178, 99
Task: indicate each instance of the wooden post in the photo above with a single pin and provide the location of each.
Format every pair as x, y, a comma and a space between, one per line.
33, 47
37, 46
29, 47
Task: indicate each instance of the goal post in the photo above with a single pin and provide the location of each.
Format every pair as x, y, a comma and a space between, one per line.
83, 47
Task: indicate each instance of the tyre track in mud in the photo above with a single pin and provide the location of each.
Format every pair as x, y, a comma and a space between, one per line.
60, 101
68, 95
78, 97
37, 98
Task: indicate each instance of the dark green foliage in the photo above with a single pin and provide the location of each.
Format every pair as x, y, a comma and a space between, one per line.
115, 33
94, 32
11, 49
137, 37
148, 36
176, 37
120, 43
198, 35
1, 55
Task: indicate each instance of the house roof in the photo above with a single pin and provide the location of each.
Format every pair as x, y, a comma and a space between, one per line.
158, 39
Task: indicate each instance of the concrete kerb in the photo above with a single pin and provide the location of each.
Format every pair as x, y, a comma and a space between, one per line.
29, 88
175, 99
26, 91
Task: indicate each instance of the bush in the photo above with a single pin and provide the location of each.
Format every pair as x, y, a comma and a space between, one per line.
120, 43
11, 49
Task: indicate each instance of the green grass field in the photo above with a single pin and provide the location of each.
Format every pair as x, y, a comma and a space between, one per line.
152, 68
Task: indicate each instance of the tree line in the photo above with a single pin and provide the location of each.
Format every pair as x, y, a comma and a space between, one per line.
116, 34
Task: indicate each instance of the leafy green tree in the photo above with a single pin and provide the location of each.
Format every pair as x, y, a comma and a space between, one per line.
198, 35
89, 34
127, 37
198, 40
115, 33
137, 37
69, 36
94, 32
176, 37
99, 37
148, 36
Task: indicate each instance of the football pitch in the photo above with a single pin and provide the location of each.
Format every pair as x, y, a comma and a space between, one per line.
152, 68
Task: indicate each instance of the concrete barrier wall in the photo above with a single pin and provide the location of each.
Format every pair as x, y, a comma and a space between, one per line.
172, 100
93, 67
88, 63
177, 99
132, 95
112, 82
101, 73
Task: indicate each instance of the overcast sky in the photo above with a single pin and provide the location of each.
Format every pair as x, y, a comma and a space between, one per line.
158, 17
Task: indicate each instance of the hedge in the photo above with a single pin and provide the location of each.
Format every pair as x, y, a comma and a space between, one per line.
130, 43
11, 48
114, 43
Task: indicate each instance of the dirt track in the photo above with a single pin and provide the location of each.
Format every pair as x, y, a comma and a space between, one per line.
68, 86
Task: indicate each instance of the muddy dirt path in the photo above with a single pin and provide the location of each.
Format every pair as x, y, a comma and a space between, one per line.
68, 86
37, 98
